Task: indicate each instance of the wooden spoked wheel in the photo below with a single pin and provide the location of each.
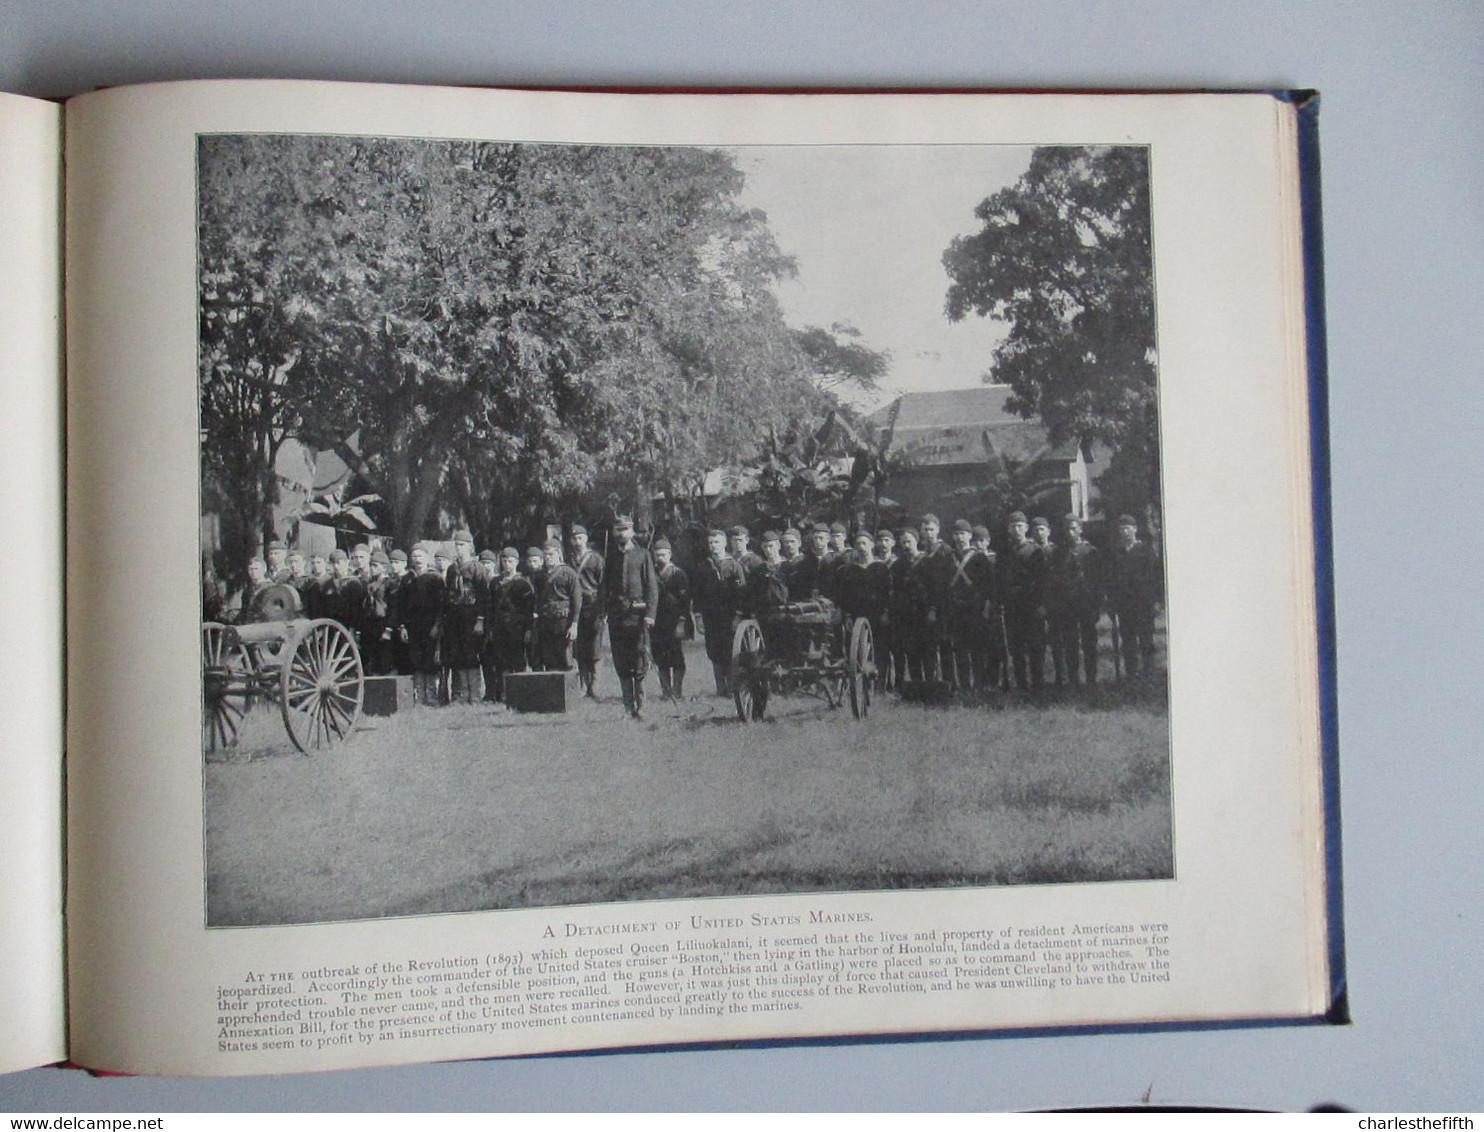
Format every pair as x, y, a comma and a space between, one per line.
321, 686
226, 671
749, 672
860, 667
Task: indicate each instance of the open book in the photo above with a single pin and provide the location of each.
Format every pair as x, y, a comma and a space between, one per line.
1048, 743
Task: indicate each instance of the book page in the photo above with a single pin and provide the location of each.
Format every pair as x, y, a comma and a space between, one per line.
439, 321
31, 946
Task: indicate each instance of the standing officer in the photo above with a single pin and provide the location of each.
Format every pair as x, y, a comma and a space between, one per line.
674, 622
420, 616
1023, 593
1076, 584
632, 594
589, 566
559, 604
510, 618
1134, 584
719, 589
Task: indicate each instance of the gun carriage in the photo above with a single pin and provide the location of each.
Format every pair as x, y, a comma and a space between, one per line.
803, 648
310, 668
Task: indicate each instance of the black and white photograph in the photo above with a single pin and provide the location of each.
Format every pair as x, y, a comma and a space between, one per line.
598, 523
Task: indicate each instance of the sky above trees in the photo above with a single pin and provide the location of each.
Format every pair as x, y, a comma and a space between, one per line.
867, 227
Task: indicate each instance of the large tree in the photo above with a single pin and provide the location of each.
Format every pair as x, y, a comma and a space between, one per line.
1064, 257
492, 329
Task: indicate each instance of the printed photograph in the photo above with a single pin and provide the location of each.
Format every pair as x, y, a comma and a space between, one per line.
585, 524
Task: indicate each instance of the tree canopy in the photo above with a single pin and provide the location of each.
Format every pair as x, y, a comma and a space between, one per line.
484, 329
1064, 257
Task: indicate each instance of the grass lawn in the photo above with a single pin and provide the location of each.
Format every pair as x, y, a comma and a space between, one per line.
463, 808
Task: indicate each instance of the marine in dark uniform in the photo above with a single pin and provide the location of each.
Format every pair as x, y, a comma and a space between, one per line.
839, 549
768, 587
510, 622
886, 551
244, 609
719, 589
970, 592
905, 611
990, 658
277, 564
863, 583
1023, 571
376, 632
791, 545
737, 539
1134, 581
312, 589
631, 593
811, 576
674, 622
345, 597
559, 605
420, 623
1076, 602
589, 566
1041, 536
933, 575
395, 596
463, 625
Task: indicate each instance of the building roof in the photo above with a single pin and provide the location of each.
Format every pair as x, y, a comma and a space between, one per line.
979, 405
966, 426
